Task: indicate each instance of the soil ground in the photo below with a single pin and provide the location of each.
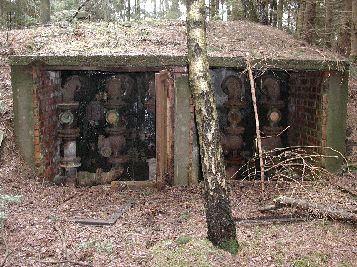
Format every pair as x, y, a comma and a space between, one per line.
163, 227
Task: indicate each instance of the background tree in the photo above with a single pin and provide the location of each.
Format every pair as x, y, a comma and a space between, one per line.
45, 11
354, 32
308, 28
221, 227
329, 7
280, 13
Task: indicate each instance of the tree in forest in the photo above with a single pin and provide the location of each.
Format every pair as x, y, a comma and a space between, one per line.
45, 11
342, 44
328, 22
280, 13
220, 223
308, 28
353, 54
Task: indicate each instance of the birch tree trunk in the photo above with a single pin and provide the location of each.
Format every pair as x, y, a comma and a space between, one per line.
353, 54
221, 227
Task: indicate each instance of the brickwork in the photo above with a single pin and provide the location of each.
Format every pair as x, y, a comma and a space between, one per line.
46, 142
306, 109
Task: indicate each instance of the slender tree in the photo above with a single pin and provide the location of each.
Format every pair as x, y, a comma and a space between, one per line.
329, 4
235, 10
300, 17
280, 12
343, 42
45, 11
309, 21
353, 54
262, 8
220, 223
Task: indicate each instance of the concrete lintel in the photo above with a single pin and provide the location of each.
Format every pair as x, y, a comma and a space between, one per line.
98, 61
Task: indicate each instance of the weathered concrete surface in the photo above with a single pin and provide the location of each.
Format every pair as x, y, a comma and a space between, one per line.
182, 162
98, 61
337, 93
22, 87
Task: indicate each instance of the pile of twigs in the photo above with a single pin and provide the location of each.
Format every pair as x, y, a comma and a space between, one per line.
295, 163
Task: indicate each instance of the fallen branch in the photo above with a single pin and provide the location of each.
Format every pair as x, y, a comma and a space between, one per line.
347, 190
79, 9
112, 219
73, 263
7, 250
317, 209
257, 130
269, 220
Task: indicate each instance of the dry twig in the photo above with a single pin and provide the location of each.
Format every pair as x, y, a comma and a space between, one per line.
257, 130
7, 250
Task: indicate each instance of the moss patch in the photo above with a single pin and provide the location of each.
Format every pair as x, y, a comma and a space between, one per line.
184, 251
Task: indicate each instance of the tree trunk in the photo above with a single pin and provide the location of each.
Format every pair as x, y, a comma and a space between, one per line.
220, 223
137, 9
353, 54
262, 8
300, 18
128, 11
45, 11
308, 32
280, 12
214, 9
328, 22
236, 10
273, 13
344, 37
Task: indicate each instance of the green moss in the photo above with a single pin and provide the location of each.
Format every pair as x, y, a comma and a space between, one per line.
190, 252
232, 246
182, 240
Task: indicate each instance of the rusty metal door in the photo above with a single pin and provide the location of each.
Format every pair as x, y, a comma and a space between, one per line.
164, 126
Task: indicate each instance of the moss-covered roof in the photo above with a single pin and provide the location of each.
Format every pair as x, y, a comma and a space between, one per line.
164, 43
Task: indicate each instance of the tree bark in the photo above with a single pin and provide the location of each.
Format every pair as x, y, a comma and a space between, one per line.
236, 10
273, 13
45, 11
280, 12
300, 18
328, 22
344, 37
221, 227
309, 21
353, 54
128, 11
262, 7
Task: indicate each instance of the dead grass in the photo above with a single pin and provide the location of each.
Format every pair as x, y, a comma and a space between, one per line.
229, 39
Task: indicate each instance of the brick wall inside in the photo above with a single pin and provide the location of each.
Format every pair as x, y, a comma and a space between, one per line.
306, 116
45, 98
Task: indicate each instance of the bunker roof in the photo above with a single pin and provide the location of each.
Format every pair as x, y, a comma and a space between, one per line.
163, 43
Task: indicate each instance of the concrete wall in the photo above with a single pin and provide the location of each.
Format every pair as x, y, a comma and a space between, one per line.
186, 154
336, 94
22, 88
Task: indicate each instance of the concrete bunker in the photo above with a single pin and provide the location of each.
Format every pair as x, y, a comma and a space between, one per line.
131, 117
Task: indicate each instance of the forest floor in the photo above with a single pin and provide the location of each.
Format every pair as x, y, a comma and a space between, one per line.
163, 227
